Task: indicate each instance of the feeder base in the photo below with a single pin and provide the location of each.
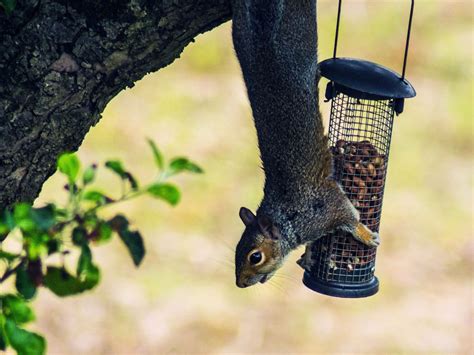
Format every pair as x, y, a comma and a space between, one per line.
342, 290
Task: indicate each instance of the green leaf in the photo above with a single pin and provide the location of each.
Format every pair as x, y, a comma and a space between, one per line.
61, 212
7, 223
63, 284
118, 223
95, 196
69, 165
132, 239
8, 256
89, 175
53, 246
24, 284
178, 165
8, 5
27, 225
90, 220
85, 260
22, 217
156, 154
17, 309
37, 245
23, 341
43, 217
8, 219
102, 233
86, 270
134, 243
167, 192
4, 230
105, 231
21, 211
117, 167
131, 179
79, 236
3, 335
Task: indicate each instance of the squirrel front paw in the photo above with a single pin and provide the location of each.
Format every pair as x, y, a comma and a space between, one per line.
366, 236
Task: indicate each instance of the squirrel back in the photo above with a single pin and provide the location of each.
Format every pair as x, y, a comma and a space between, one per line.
276, 44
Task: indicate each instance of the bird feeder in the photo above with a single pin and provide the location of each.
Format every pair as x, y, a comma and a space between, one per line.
364, 97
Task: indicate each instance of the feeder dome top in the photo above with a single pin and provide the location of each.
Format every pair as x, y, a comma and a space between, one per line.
365, 79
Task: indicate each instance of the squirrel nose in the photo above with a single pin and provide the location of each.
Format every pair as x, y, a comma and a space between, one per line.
241, 283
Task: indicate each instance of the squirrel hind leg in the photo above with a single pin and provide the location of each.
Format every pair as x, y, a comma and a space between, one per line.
363, 234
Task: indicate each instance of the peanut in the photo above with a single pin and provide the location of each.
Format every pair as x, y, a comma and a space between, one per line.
371, 169
340, 143
360, 169
350, 149
378, 161
361, 194
359, 182
349, 169
370, 213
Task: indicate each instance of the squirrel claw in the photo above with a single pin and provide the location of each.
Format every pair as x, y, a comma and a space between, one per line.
366, 236
303, 262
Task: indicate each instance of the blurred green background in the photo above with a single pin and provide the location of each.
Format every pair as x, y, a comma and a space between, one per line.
183, 298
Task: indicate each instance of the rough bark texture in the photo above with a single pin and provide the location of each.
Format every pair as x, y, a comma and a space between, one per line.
61, 62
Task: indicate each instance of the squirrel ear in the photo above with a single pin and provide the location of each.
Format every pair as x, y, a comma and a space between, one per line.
246, 216
267, 227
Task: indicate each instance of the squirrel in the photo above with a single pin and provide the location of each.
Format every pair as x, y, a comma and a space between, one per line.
276, 44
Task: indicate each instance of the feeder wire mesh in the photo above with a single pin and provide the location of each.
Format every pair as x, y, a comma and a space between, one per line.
359, 134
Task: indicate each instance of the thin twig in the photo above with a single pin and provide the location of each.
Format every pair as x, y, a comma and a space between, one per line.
10, 272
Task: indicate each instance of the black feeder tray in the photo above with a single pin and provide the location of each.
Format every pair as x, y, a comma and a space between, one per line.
364, 100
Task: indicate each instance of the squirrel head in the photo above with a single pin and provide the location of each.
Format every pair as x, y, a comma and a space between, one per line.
258, 254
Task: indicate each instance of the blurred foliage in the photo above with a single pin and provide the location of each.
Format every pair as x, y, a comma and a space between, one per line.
54, 230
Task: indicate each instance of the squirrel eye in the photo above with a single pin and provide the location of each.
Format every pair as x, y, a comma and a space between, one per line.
255, 257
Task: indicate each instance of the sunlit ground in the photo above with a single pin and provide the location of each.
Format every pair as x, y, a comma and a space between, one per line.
183, 297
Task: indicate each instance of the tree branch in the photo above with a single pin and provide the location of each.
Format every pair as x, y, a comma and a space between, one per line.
62, 61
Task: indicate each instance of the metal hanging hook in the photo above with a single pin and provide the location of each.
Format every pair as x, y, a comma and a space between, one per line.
405, 57
408, 39
337, 28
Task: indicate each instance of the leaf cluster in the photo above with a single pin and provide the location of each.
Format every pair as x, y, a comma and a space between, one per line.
54, 232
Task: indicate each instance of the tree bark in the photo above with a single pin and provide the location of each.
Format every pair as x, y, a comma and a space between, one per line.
62, 61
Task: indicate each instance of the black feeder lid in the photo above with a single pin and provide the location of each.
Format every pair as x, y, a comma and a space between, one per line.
365, 80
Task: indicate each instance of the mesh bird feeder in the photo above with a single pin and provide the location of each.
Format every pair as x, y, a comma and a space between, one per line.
364, 97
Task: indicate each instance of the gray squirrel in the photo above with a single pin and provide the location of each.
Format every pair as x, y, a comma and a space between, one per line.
276, 45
